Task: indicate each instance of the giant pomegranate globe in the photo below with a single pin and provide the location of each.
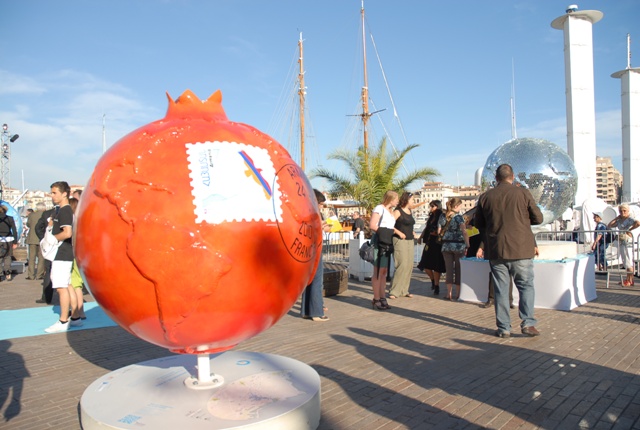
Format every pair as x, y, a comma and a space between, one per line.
195, 233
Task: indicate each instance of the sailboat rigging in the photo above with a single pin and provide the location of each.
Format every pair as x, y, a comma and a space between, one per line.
365, 100
291, 123
301, 95
365, 89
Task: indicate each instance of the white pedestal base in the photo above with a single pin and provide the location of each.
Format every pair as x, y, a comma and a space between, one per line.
260, 391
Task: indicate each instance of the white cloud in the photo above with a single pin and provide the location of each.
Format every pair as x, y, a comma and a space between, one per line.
16, 84
60, 124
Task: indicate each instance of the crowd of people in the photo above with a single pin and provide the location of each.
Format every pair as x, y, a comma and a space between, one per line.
503, 213
499, 230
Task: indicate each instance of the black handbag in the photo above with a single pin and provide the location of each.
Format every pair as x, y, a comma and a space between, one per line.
385, 236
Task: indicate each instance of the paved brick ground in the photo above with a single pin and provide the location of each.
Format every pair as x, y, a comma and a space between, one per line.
427, 363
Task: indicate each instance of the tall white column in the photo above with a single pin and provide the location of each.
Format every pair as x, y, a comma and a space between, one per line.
630, 80
581, 112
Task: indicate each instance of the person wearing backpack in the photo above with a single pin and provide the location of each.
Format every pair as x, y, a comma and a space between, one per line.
600, 244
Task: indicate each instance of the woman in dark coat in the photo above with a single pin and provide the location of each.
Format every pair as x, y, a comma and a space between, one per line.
432, 261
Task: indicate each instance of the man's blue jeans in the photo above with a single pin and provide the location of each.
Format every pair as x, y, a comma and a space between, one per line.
522, 273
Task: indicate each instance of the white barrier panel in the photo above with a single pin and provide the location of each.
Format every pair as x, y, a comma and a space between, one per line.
563, 285
358, 268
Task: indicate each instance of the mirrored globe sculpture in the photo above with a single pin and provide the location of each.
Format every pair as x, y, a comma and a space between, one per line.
540, 166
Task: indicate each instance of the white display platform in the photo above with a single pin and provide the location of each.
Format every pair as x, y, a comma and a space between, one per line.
556, 249
563, 285
474, 274
260, 391
358, 268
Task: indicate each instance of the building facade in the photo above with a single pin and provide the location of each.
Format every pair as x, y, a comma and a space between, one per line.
23, 200
608, 181
443, 192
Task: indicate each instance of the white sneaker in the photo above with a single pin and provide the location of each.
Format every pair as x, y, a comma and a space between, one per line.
57, 327
76, 323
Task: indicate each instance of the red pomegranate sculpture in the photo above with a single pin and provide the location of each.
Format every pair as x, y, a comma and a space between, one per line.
195, 233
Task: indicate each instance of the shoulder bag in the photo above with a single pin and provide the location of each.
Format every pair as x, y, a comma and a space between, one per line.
49, 245
367, 252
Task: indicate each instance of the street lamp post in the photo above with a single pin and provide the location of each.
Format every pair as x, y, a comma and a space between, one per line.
5, 158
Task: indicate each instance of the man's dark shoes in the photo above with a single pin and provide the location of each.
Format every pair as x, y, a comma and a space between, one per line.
42, 301
487, 304
502, 333
530, 331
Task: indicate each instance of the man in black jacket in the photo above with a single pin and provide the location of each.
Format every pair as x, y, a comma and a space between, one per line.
506, 213
47, 289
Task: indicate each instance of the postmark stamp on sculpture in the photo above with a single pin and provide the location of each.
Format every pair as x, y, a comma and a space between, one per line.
233, 181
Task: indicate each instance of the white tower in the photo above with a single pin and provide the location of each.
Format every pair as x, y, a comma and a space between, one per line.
630, 80
581, 112
477, 178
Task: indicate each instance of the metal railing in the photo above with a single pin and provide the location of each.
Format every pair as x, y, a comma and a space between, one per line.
584, 240
335, 246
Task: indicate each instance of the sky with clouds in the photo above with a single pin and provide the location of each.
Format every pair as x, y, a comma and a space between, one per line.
449, 68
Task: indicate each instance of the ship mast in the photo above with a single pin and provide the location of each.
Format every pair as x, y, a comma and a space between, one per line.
514, 133
301, 95
365, 90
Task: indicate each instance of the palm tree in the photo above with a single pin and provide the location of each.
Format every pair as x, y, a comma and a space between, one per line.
371, 174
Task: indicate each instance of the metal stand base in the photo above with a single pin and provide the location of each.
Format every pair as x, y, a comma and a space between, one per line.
256, 391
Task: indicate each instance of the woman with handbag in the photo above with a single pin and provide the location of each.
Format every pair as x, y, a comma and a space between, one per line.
625, 224
432, 262
455, 243
382, 223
